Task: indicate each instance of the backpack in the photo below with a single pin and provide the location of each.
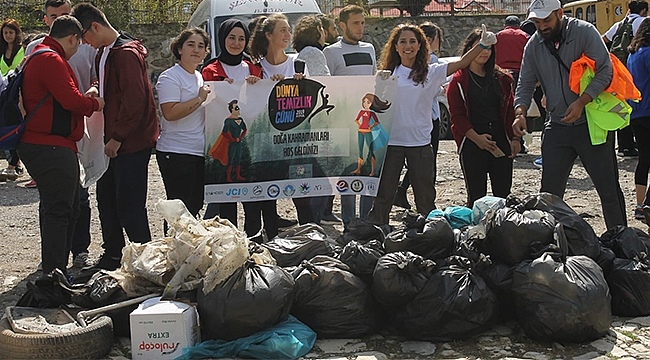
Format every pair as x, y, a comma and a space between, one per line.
621, 40
12, 119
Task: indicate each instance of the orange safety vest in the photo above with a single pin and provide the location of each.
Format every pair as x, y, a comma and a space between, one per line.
622, 85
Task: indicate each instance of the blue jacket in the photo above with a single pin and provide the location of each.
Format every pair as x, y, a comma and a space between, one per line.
638, 64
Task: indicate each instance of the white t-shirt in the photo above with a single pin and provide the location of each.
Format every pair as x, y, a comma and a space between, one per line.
237, 72
285, 68
186, 135
412, 115
636, 22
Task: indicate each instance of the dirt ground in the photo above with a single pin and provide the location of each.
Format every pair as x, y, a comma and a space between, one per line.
19, 232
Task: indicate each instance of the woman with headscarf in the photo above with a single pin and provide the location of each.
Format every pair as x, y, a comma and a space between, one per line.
231, 64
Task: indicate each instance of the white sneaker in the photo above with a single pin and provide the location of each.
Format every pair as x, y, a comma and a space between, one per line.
9, 174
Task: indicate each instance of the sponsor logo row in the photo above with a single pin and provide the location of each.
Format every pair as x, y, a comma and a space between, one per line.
304, 188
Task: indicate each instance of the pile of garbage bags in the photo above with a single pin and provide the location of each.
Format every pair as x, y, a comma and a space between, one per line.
447, 276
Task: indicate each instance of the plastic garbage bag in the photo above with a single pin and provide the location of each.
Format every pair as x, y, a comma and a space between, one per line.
625, 242
605, 259
362, 258
253, 298
562, 298
361, 232
511, 235
399, 277
299, 243
331, 300
289, 339
629, 284
580, 235
457, 216
433, 240
454, 304
485, 204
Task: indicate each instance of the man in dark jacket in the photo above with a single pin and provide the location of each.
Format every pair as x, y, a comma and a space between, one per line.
130, 132
49, 145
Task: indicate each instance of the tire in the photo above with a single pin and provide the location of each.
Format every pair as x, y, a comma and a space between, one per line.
445, 123
93, 341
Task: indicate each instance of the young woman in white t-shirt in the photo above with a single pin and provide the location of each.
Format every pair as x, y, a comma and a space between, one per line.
180, 147
406, 56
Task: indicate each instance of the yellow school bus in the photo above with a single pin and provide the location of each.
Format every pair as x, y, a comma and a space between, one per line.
602, 13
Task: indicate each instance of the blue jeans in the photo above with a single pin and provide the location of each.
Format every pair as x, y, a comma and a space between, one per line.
349, 208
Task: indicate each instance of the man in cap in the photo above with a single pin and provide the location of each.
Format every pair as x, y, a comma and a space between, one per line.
558, 42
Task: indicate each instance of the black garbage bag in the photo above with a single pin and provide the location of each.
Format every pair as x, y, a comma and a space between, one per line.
629, 284
253, 298
512, 235
434, 240
625, 242
331, 300
580, 235
299, 243
399, 277
562, 298
605, 259
454, 304
361, 232
362, 258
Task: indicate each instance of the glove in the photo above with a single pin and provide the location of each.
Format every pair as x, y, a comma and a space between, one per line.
384, 74
487, 38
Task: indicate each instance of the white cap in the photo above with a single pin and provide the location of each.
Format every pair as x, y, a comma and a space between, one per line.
541, 9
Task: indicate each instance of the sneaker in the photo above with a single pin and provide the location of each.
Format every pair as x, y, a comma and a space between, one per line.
19, 170
401, 200
638, 213
646, 213
538, 162
9, 174
40, 266
285, 223
331, 219
522, 151
628, 152
81, 260
31, 184
105, 263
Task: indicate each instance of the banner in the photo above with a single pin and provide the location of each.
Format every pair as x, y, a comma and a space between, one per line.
296, 138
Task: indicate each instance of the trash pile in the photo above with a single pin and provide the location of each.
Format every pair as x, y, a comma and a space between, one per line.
447, 276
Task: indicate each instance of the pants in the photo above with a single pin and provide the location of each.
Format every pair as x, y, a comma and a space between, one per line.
254, 211
476, 164
349, 207
435, 142
121, 200
560, 147
420, 161
625, 138
12, 157
226, 211
183, 177
304, 210
81, 237
56, 171
641, 129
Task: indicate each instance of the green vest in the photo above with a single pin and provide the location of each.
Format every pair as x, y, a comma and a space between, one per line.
5, 68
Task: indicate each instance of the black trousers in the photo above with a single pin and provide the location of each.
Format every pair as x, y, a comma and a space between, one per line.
183, 177
81, 237
226, 211
122, 199
641, 128
477, 164
56, 171
561, 145
254, 211
625, 138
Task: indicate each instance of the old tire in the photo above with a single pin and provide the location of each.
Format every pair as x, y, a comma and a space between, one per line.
93, 341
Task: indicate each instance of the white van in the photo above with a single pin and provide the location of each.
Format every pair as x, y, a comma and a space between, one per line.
211, 13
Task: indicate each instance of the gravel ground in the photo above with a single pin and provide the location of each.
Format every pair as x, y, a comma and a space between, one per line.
20, 255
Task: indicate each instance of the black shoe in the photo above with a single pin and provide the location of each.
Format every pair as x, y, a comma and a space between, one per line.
631, 152
646, 214
285, 223
105, 263
400, 199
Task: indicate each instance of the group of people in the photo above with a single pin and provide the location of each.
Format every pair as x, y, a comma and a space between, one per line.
488, 111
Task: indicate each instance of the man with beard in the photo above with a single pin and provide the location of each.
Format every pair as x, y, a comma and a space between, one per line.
558, 42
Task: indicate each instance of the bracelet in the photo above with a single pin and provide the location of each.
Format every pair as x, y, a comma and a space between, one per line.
484, 47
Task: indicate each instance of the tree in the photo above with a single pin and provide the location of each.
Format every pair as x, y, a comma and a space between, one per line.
414, 7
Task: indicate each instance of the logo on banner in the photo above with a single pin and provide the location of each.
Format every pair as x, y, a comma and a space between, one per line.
291, 102
356, 185
273, 191
257, 190
289, 190
342, 186
371, 185
305, 188
237, 192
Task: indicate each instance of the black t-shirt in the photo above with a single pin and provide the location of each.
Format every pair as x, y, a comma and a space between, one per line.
483, 102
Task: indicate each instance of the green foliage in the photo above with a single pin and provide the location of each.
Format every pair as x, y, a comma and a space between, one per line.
121, 14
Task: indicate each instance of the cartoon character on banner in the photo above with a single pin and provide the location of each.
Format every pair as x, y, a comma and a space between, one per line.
228, 148
370, 130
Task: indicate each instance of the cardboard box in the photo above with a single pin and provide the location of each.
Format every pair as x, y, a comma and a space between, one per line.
162, 329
